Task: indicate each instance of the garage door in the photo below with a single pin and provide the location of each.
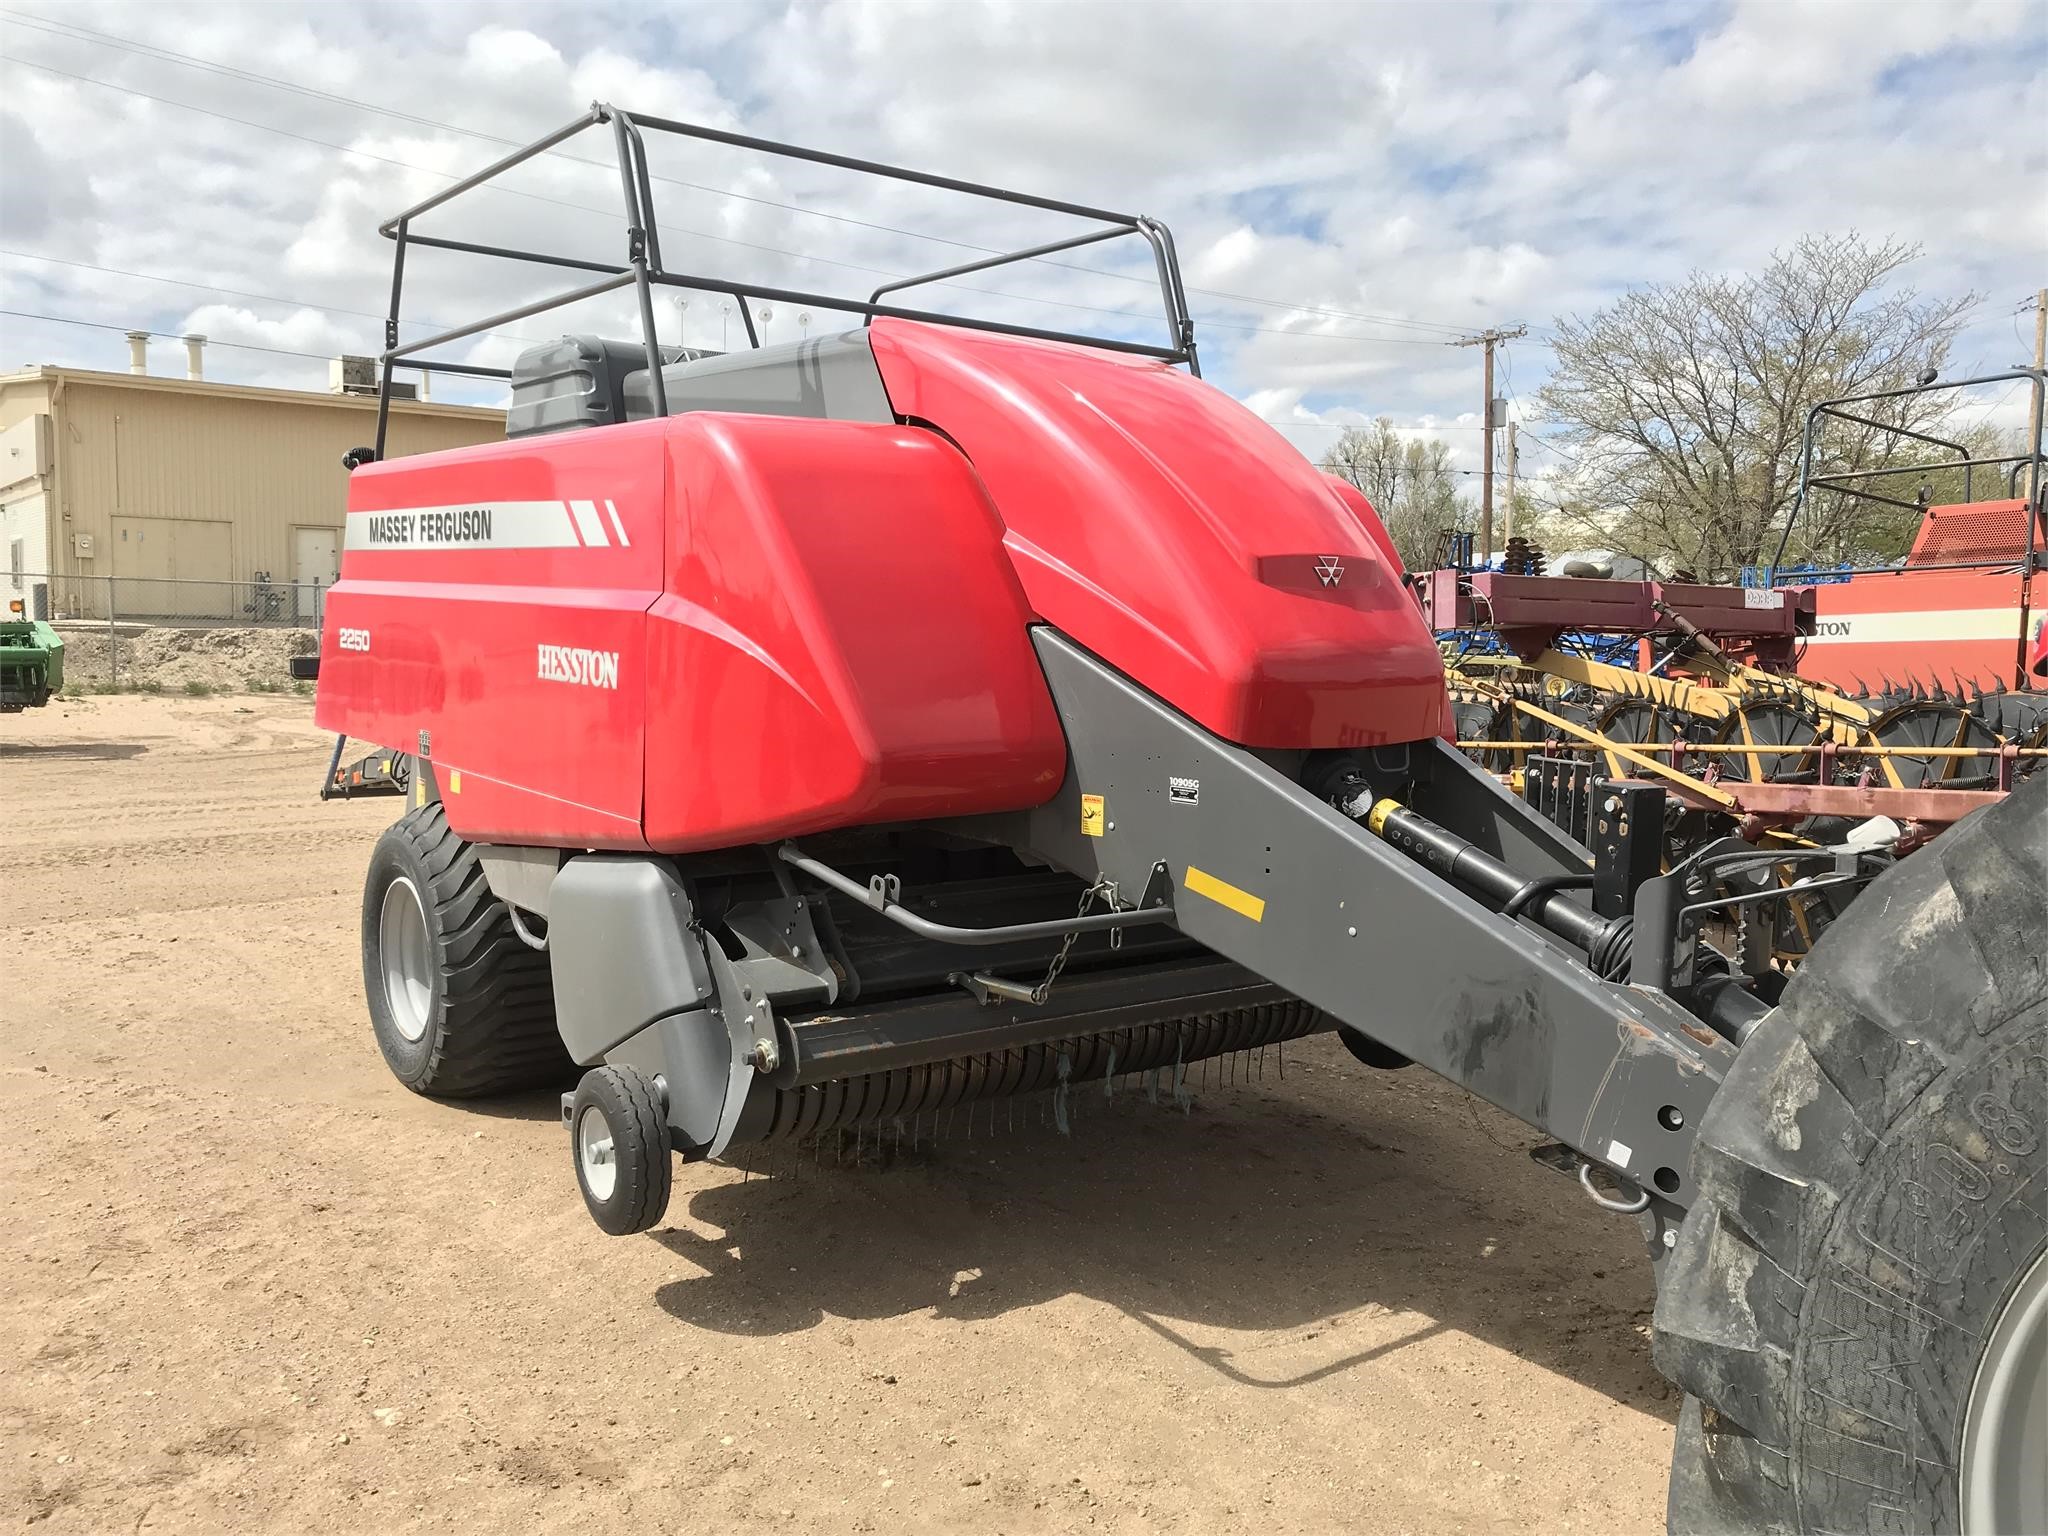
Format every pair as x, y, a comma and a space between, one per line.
172, 549
174, 567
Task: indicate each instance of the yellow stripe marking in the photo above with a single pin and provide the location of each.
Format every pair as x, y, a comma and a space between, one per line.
1243, 903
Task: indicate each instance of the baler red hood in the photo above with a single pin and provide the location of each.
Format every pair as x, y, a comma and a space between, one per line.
1160, 524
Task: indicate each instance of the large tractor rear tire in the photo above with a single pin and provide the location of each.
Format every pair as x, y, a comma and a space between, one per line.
460, 1004
1857, 1306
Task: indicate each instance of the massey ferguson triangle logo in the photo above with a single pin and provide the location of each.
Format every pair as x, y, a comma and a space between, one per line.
1328, 571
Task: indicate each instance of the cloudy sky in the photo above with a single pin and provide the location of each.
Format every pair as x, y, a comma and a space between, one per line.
1353, 186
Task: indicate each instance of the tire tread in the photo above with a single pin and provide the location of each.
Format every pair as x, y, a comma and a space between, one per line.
497, 1029
1886, 1006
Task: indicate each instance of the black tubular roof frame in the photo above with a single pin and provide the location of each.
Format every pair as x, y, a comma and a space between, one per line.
1846, 483
643, 269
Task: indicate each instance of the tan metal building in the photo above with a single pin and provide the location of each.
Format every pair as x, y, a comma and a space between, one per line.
181, 497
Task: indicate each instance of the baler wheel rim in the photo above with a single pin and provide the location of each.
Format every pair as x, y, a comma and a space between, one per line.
597, 1152
407, 950
2006, 1420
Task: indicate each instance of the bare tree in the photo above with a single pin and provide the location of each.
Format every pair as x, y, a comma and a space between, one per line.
1684, 404
1409, 482
1370, 458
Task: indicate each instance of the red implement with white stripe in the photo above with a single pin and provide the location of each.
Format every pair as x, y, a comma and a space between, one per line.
1928, 621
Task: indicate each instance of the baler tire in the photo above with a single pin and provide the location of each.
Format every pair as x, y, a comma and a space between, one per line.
1381, 1058
1873, 1205
636, 1132
486, 1022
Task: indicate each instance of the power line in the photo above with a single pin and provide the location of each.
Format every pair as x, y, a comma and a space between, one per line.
234, 293
334, 309
1121, 314
1272, 421
540, 197
102, 325
240, 293
1345, 426
1544, 442
1449, 331
71, 31
321, 357
74, 32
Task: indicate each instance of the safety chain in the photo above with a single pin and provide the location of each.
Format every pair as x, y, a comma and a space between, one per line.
1103, 886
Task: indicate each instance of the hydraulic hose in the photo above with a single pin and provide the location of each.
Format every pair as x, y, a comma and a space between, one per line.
1606, 941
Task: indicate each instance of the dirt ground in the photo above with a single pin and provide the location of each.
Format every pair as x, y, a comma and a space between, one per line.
253, 1285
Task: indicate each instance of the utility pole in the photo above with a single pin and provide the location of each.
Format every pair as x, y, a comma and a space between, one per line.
2040, 362
1508, 535
1489, 339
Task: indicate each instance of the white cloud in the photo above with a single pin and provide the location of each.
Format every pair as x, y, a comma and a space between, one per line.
1394, 171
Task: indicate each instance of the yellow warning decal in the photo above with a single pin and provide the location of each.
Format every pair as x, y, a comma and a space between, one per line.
1243, 903
455, 781
1091, 815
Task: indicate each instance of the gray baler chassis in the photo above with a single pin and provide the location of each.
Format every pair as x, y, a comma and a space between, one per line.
1312, 908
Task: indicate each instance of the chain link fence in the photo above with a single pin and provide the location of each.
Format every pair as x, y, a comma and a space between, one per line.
159, 633
258, 604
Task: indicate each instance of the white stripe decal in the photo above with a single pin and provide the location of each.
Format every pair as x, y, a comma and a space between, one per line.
618, 527
1929, 624
585, 513
473, 525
